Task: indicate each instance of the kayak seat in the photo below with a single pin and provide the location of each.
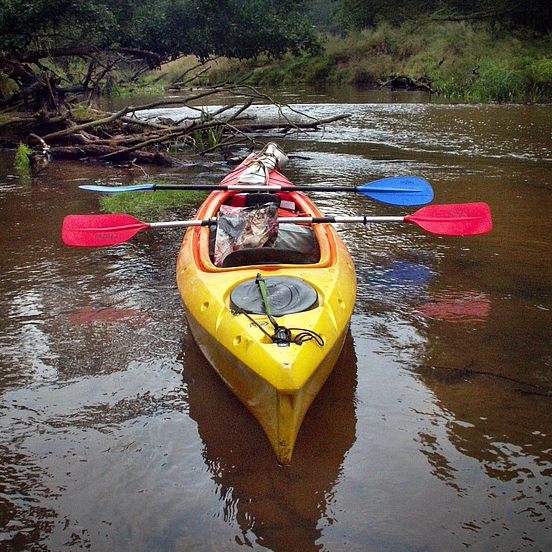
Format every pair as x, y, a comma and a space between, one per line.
263, 255
284, 201
254, 199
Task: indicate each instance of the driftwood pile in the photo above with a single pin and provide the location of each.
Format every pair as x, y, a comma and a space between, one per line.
127, 136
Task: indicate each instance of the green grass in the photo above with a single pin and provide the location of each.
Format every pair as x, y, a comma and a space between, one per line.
21, 160
461, 62
148, 204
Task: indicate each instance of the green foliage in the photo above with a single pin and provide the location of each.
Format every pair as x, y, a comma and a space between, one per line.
116, 41
164, 28
22, 164
147, 204
539, 73
324, 15
359, 14
21, 160
43, 24
498, 83
459, 60
7, 86
42, 41
469, 62
511, 14
207, 138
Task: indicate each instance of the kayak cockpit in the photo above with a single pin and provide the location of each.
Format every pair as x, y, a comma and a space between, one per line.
248, 233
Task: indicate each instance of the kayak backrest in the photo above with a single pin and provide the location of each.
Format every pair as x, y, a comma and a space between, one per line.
254, 199
263, 256
284, 200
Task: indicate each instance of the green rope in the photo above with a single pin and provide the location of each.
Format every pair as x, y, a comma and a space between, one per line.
262, 288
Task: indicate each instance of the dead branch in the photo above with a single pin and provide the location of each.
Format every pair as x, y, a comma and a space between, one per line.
99, 151
127, 136
286, 127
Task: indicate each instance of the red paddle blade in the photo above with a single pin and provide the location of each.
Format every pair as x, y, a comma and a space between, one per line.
460, 219
99, 230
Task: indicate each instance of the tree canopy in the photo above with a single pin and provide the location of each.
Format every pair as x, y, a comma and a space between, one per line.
511, 14
103, 32
164, 27
55, 53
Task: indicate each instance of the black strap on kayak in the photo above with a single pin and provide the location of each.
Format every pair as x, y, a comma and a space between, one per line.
301, 337
282, 335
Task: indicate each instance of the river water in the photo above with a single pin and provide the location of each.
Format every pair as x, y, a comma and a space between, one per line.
434, 432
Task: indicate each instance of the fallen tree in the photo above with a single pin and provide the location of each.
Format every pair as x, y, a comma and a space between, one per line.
131, 135
59, 55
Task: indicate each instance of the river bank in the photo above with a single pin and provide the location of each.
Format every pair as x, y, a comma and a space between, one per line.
458, 61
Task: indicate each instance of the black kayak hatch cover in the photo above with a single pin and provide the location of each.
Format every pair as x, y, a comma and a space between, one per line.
286, 295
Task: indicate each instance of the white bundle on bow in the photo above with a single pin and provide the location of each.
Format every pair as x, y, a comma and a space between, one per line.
258, 170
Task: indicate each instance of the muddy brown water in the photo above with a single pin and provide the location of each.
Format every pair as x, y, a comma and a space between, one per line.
434, 432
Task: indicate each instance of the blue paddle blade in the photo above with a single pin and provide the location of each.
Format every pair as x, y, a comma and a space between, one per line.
116, 189
399, 190
402, 190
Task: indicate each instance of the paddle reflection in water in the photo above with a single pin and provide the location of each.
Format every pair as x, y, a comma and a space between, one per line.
410, 280
277, 507
483, 422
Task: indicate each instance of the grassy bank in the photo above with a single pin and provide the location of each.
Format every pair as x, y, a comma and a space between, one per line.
457, 60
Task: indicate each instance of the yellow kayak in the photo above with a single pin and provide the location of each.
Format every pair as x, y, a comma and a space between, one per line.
272, 321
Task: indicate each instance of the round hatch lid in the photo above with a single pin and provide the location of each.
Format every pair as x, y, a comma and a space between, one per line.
286, 295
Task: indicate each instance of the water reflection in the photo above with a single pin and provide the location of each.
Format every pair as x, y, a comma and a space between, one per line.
456, 306
486, 430
433, 433
504, 424
80, 455
280, 508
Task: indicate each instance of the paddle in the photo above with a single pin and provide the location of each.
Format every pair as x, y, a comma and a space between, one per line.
400, 190
460, 219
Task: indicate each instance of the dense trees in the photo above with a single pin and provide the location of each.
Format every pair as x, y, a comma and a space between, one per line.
512, 14
55, 53
145, 33
88, 38
165, 27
